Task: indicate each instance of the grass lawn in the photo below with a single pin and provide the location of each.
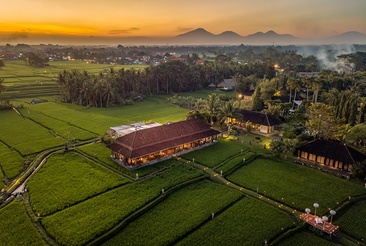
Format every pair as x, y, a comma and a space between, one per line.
248, 222
82, 222
178, 214
66, 179
16, 228
216, 154
353, 222
98, 120
295, 185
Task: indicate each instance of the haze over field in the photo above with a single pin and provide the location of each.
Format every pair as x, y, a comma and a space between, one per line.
159, 22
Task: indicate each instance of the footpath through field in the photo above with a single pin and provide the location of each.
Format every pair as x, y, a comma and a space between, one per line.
221, 179
345, 239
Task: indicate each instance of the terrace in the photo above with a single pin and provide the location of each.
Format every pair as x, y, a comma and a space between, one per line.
321, 224
324, 167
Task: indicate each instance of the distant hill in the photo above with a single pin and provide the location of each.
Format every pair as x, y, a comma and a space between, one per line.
203, 37
347, 38
270, 37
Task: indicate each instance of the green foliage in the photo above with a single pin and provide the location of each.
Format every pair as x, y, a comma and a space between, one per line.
35, 60
258, 103
66, 179
354, 220
247, 222
179, 213
295, 185
16, 228
321, 120
82, 222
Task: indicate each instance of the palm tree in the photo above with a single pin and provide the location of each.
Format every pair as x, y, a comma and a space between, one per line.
316, 86
229, 111
290, 85
213, 104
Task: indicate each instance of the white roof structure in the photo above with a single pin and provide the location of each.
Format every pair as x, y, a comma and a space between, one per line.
122, 130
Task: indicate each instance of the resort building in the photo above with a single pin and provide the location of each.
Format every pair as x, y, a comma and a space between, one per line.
259, 122
145, 146
330, 155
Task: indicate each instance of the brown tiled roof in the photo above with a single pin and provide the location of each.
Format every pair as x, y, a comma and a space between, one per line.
259, 118
334, 150
147, 141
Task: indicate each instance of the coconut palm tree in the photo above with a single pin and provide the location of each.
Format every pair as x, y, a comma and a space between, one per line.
227, 112
213, 104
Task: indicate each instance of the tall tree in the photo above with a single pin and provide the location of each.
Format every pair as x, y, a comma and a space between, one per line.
321, 121
257, 101
213, 104
229, 110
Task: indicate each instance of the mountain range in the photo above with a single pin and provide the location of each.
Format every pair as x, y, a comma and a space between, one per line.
200, 36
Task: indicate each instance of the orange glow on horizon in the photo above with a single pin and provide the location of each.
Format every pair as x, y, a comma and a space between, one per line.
47, 29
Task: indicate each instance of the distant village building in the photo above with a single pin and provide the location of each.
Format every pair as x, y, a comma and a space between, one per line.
227, 85
307, 74
147, 145
330, 155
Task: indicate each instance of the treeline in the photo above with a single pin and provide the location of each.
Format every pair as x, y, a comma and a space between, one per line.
118, 87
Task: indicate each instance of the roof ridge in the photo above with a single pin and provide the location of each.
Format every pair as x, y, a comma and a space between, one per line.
346, 146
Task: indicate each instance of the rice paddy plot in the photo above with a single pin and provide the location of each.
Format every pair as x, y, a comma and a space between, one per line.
16, 227
84, 221
247, 222
24, 135
306, 239
295, 185
179, 213
66, 179
216, 154
58, 127
353, 221
12, 163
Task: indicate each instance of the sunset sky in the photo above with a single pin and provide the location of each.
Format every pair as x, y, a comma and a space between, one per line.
27, 20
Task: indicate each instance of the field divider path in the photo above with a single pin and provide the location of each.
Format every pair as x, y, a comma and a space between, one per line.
142, 210
221, 179
347, 240
19, 183
104, 165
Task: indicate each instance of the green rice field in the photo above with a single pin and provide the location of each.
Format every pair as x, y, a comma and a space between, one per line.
24, 81
289, 183
16, 227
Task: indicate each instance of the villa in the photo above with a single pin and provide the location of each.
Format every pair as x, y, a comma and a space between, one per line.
144, 146
330, 155
261, 123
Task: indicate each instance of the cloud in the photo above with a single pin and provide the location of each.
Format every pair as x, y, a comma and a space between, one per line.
123, 31
16, 36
